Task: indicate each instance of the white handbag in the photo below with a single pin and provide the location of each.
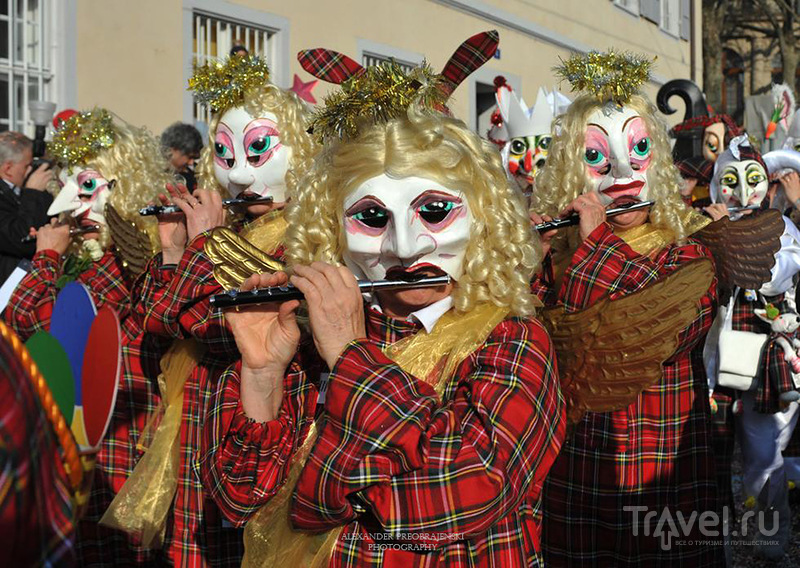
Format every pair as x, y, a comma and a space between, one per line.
740, 354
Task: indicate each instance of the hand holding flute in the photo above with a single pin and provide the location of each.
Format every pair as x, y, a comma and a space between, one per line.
54, 236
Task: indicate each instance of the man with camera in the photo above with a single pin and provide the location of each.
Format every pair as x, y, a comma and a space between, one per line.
23, 199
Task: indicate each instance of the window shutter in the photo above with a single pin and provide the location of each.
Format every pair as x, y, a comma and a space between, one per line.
686, 19
651, 10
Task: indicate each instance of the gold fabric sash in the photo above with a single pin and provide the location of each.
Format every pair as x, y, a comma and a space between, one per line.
269, 538
267, 231
141, 506
646, 239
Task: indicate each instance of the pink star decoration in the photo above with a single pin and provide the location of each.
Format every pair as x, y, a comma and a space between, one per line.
303, 90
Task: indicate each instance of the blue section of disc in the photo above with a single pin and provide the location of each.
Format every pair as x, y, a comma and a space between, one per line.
73, 314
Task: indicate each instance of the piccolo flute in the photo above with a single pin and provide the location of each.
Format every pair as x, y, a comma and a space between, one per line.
233, 298
575, 219
72, 232
165, 209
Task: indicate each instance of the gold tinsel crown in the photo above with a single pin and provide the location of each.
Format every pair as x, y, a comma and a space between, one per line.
608, 76
379, 94
221, 86
82, 136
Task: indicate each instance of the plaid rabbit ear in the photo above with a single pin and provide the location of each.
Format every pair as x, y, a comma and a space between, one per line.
328, 65
469, 56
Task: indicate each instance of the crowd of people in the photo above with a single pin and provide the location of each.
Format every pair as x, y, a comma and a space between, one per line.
517, 389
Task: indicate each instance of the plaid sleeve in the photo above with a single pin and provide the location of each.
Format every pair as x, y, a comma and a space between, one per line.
243, 463
180, 307
31, 304
388, 446
148, 285
604, 265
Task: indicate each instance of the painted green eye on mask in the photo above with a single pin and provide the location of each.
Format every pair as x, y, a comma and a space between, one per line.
375, 217
436, 211
593, 157
642, 148
259, 146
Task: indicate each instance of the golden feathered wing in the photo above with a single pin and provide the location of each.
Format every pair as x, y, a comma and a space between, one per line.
612, 351
132, 244
235, 258
744, 250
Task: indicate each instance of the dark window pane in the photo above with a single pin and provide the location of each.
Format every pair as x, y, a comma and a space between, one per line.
3, 39
4, 7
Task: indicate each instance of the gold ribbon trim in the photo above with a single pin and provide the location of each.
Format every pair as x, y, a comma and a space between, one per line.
141, 506
269, 538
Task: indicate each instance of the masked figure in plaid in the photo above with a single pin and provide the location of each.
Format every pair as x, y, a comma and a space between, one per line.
717, 133
529, 133
257, 145
765, 403
108, 170
442, 413
654, 451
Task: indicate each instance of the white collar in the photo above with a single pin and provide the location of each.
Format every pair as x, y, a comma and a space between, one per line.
427, 316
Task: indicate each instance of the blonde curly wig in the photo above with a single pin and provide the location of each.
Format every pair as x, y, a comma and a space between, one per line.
293, 117
564, 176
141, 172
503, 252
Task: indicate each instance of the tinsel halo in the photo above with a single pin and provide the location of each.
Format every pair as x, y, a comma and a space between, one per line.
379, 94
82, 136
608, 76
221, 86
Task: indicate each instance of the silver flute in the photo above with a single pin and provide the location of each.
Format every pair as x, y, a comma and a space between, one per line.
575, 219
166, 209
235, 298
72, 232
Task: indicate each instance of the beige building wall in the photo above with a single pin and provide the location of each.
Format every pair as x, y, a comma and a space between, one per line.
134, 57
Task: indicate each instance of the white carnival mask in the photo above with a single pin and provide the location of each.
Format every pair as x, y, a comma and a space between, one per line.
84, 193
742, 183
738, 179
249, 155
618, 154
398, 226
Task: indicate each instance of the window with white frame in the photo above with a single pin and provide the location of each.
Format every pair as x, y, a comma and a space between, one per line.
671, 17
25, 67
213, 37
631, 6
369, 59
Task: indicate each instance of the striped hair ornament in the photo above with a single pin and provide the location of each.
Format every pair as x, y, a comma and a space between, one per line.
370, 95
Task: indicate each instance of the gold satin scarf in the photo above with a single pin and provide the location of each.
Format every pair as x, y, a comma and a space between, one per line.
269, 538
141, 506
267, 232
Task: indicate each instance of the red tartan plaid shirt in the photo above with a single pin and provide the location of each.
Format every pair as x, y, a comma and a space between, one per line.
175, 304
454, 483
654, 453
30, 310
36, 517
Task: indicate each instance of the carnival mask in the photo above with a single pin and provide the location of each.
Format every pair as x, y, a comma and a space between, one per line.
84, 193
713, 141
617, 155
395, 227
249, 155
526, 156
742, 183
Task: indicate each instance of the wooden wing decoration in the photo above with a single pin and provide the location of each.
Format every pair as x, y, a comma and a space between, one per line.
132, 243
744, 250
235, 258
609, 353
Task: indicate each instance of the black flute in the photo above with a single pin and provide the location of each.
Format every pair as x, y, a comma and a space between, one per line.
72, 233
573, 220
234, 298
165, 209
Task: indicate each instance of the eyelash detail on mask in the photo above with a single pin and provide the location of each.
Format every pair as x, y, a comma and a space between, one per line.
223, 150
260, 143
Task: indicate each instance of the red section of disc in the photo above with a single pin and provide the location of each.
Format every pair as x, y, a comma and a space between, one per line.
101, 369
